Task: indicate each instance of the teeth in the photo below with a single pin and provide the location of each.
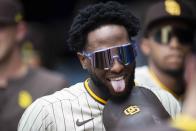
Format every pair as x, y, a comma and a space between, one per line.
117, 79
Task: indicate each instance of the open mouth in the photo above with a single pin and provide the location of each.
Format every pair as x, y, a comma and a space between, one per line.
117, 78
118, 84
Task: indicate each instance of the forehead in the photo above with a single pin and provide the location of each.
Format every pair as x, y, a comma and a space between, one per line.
172, 22
106, 36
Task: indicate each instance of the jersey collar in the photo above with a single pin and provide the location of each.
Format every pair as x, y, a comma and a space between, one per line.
92, 94
154, 77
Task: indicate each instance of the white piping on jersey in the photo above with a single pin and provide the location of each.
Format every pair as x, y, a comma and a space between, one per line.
102, 101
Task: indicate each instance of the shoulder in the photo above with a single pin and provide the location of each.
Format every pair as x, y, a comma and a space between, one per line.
49, 101
145, 92
170, 103
47, 109
47, 74
142, 74
71, 93
46, 80
160, 93
141, 69
143, 78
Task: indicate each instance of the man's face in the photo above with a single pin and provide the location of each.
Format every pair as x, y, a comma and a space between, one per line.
117, 79
7, 40
168, 45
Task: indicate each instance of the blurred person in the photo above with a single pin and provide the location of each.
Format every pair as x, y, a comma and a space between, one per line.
20, 85
101, 35
167, 38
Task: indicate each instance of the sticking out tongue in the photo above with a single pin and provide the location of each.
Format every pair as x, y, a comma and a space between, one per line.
118, 85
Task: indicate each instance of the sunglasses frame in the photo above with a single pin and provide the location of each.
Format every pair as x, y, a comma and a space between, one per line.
108, 55
164, 34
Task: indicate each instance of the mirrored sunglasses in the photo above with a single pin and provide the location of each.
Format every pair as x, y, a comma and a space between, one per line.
104, 59
164, 35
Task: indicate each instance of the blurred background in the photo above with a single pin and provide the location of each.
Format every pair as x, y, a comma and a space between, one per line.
49, 22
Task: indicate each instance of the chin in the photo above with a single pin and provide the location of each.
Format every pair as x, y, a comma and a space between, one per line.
120, 95
175, 72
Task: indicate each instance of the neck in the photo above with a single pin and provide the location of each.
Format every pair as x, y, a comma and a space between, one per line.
99, 90
174, 83
11, 68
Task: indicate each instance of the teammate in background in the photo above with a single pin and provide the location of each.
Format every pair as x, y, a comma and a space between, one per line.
167, 38
101, 35
19, 84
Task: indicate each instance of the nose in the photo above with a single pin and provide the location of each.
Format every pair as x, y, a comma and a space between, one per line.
117, 67
174, 42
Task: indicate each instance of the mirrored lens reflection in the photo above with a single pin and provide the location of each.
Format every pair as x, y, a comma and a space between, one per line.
104, 59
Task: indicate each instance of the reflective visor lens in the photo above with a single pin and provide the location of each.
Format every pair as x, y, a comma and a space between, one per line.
104, 59
164, 35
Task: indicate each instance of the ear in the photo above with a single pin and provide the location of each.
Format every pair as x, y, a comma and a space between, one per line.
83, 60
145, 46
21, 29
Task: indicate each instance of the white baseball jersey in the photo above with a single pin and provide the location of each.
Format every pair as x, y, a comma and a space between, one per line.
143, 77
76, 108
72, 109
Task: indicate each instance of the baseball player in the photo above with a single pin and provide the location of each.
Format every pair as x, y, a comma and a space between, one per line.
101, 35
167, 37
20, 84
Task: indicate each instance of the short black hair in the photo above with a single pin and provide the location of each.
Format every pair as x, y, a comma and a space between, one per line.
94, 16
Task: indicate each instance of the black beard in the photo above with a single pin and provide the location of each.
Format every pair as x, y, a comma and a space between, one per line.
131, 84
175, 73
102, 87
99, 83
